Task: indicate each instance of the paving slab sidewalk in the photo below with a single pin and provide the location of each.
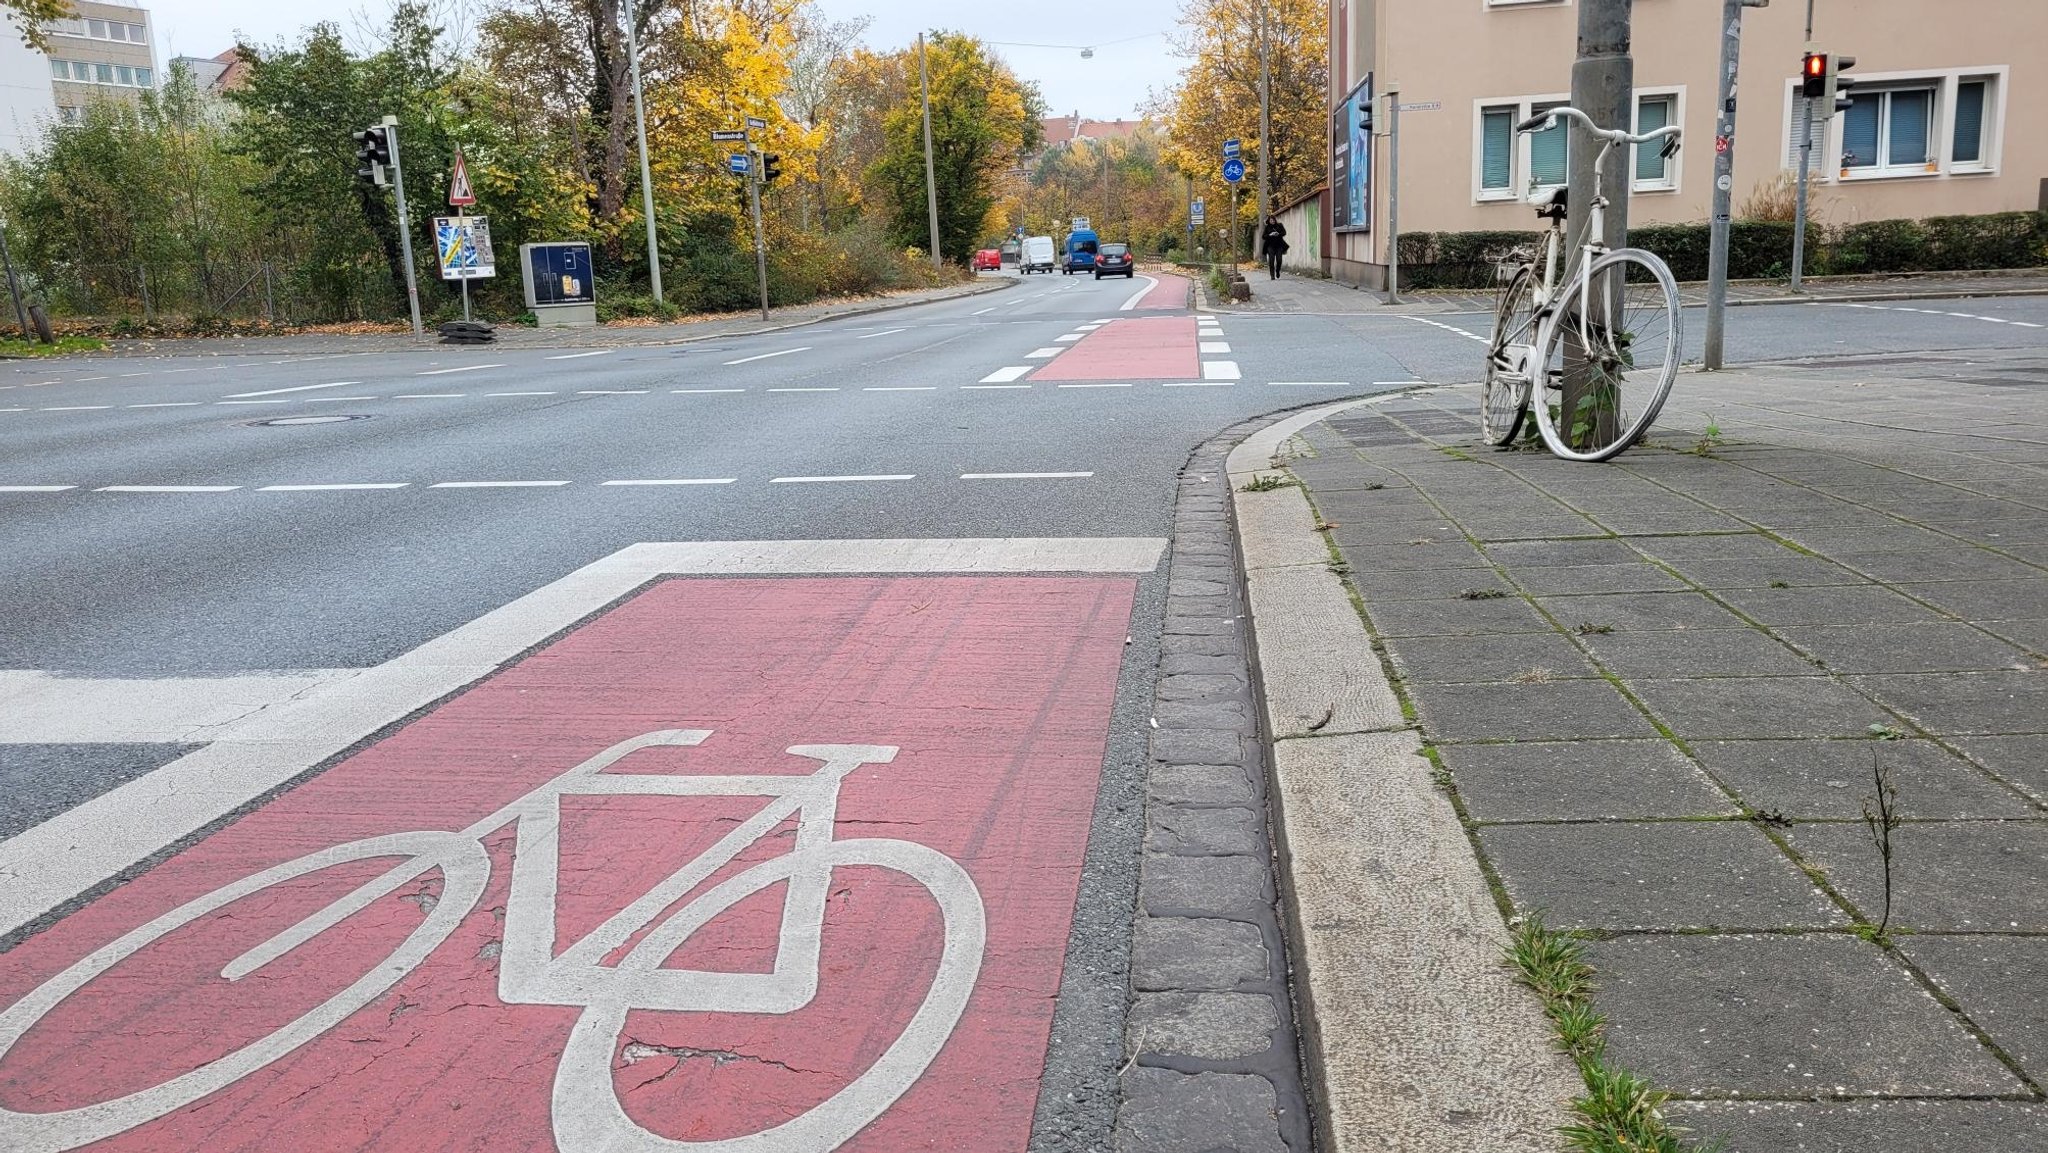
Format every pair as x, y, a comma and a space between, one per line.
1310, 295
690, 330
1662, 691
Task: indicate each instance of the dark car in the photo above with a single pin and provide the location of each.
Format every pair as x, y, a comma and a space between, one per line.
1115, 260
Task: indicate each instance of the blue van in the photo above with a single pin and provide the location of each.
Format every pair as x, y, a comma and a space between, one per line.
1081, 248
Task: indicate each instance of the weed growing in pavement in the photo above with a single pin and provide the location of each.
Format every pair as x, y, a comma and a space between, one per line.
1886, 733
1777, 584
1621, 1112
1481, 595
1592, 630
1268, 483
1709, 440
1881, 817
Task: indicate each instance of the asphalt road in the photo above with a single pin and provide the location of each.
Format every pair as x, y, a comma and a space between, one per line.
209, 517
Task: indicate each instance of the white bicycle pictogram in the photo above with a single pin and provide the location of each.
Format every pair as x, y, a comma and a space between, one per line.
587, 1114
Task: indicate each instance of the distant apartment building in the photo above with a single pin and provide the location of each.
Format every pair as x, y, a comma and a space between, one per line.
1064, 131
1948, 118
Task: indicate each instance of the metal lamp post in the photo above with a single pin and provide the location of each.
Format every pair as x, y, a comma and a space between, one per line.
640, 131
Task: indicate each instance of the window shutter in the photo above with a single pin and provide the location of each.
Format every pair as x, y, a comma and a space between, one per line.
1549, 162
1910, 114
1497, 149
1859, 132
1820, 136
1969, 145
1652, 113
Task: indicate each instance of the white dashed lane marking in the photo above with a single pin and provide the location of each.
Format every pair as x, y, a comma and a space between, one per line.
766, 356
463, 368
1006, 375
1936, 312
333, 487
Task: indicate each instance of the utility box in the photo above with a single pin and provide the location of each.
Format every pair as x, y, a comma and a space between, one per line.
559, 286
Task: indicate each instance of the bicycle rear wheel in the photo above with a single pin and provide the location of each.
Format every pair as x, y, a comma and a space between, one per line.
1606, 375
1504, 397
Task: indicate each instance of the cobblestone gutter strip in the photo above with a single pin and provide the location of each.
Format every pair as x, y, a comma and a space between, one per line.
1415, 1034
1212, 1061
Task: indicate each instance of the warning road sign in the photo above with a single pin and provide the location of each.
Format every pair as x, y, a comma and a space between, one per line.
460, 194
782, 862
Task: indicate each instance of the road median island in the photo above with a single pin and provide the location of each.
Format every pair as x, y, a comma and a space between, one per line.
1674, 705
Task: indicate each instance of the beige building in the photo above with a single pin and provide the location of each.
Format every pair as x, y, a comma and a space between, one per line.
102, 51
1950, 103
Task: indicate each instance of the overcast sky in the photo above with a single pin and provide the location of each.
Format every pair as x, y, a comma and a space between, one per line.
1114, 84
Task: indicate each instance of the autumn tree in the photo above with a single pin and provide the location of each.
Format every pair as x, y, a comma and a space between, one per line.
30, 17
1218, 95
985, 122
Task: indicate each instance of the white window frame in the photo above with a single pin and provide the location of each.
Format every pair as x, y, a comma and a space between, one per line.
1518, 188
1827, 160
1674, 168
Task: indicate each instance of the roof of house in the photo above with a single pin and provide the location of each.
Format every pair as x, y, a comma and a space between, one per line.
1063, 130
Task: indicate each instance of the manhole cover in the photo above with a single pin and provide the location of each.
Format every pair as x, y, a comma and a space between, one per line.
322, 418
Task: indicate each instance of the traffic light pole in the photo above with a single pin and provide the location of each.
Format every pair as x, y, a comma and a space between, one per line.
412, 288
758, 161
1724, 178
1805, 166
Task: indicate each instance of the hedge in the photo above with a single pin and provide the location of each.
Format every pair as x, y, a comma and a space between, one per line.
1760, 249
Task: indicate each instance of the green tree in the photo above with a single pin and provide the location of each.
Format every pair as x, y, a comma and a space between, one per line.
29, 17
985, 121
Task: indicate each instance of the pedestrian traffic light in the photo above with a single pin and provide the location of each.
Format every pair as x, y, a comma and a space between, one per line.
1813, 73
373, 153
771, 168
1835, 98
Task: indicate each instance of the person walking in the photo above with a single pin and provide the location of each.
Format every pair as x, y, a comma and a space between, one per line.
1273, 242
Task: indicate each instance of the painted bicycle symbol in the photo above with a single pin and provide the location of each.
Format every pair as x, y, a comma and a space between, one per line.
587, 1113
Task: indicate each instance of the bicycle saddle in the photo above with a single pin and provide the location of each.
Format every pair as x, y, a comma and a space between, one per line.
1550, 203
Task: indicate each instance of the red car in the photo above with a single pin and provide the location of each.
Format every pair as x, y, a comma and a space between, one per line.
988, 260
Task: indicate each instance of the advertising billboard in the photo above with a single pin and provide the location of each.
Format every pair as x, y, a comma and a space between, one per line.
1351, 161
463, 247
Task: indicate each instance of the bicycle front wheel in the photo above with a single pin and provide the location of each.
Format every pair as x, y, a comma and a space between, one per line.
1504, 397
1608, 357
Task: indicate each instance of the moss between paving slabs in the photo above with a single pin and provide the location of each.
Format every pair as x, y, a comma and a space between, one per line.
1621, 1112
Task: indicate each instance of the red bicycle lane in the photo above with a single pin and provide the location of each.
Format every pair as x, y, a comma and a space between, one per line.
994, 692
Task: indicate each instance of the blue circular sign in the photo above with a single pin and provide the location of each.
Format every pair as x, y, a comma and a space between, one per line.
1233, 170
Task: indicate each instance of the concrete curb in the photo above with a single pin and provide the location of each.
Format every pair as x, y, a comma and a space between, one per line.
1415, 1034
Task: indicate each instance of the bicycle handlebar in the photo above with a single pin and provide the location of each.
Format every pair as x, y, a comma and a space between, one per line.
1548, 117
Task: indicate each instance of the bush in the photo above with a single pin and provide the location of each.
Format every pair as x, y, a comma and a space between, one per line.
1760, 249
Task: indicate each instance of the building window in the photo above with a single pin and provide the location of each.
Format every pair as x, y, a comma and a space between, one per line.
1497, 150
1967, 142
98, 29
70, 114
60, 70
103, 74
1654, 170
1549, 152
144, 78
1888, 130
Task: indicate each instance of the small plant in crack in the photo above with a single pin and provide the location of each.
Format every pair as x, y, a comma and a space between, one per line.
1778, 584
1772, 817
1886, 733
1593, 630
1709, 440
1267, 483
1481, 595
1881, 817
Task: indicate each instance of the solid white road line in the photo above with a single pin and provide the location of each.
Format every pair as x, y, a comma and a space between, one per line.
78, 408
1220, 370
1394, 383
1043, 354
1446, 327
169, 488
88, 379
614, 392
803, 390
281, 391
581, 355
664, 483
902, 388
168, 404
333, 487
519, 394
1025, 475
1311, 384
286, 400
464, 368
1139, 295
1006, 375
37, 487
69, 854
840, 479
428, 396
1199, 384
1215, 347
703, 391
983, 312
126, 375
332, 399
767, 356
500, 484
884, 332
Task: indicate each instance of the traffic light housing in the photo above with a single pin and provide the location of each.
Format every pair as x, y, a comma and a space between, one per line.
373, 154
771, 168
1835, 97
1813, 75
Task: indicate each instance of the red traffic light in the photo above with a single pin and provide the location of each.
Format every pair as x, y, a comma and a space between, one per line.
1814, 75
1816, 64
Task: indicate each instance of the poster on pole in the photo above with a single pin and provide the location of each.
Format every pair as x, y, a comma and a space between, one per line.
462, 246
1351, 161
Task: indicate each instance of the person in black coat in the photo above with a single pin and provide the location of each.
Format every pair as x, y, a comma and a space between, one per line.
1273, 243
